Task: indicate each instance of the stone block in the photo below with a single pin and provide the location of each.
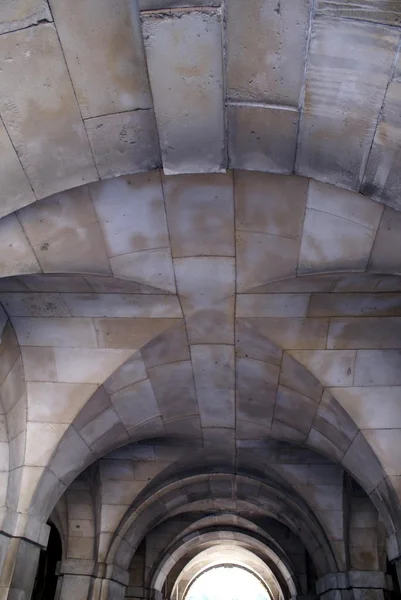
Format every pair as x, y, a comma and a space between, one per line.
262, 138
216, 408
136, 403
386, 444
23, 13
149, 267
131, 371
296, 377
294, 409
104, 51
13, 387
169, 346
361, 460
131, 213
273, 204
333, 124
330, 367
345, 204
354, 305
294, 333
366, 333
334, 243
65, 235
161, 4
17, 256
17, 191
266, 50
174, 389
57, 402
206, 289
99, 425
378, 368
387, 247
263, 257
124, 143
121, 305
367, 10
44, 100
250, 343
34, 305
129, 333
41, 441
213, 366
200, 214
184, 57
272, 305
57, 331
331, 413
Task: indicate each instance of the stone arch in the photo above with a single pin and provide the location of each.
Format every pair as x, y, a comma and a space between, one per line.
207, 540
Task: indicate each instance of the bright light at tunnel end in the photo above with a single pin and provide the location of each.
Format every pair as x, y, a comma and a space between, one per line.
227, 582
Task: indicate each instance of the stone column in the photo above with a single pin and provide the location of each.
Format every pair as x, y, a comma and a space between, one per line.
353, 585
109, 583
18, 566
76, 579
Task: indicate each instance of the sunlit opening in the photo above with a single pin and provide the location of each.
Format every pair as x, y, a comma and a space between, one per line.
227, 583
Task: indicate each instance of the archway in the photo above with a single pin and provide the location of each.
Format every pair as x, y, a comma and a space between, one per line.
47, 574
226, 582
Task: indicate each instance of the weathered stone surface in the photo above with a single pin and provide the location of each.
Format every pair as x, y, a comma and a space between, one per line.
270, 203
174, 389
330, 367
263, 257
271, 305
372, 407
16, 191
131, 213
129, 333
118, 305
57, 331
183, 51
42, 111
345, 204
378, 367
335, 242
266, 50
355, 305
150, 267
387, 247
22, 13
200, 215
376, 11
124, 143
370, 332
294, 333
205, 286
64, 233
136, 403
16, 254
262, 138
117, 80
342, 104
157, 4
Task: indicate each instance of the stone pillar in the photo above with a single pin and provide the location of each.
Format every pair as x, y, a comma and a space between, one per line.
354, 585
109, 583
18, 566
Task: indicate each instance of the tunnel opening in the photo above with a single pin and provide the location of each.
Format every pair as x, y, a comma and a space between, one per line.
227, 582
47, 574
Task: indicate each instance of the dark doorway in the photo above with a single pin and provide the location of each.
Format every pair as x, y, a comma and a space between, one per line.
46, 576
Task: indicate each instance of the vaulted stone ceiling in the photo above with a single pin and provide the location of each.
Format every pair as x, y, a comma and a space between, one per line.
200, 309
